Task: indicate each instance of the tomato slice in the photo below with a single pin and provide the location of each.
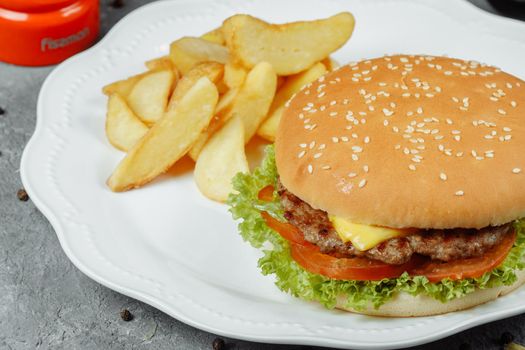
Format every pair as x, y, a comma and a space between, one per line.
266, 194
311, 259
435, 271
286, 230
359, 269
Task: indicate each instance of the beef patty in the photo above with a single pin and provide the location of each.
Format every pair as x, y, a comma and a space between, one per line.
445, 245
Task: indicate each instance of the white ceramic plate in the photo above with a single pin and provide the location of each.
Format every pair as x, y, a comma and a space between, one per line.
170, 247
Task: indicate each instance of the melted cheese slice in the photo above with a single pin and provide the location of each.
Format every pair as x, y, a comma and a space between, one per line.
363, 237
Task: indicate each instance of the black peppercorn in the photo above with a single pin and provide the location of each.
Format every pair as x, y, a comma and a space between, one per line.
218, 344
2, 111
126, 315
117, 4
22, 195
506, 338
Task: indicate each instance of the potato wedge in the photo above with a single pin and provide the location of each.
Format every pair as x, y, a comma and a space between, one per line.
214, 36
251, 104
268, 129
149, 96
221, 158
330, 64
163, 62
122, 87
254, 98
224, 105
293, 84
168, 140
187, 52
290, 48
234, 75
212, 70
123, 127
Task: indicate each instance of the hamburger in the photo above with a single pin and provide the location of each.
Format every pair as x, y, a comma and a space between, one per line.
396, 187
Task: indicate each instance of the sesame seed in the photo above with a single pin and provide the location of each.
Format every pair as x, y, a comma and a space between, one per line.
312, 144
301, 154
366, 139
335, 139
310, 168
385, 122
420, 110
443, 176
355, 157
318, 155
333, 114
507, 137
459, 193
302, 145
326, 167
438, 137
516, 170
365, 168
513, 104
397, 146
352, 175
387, 112
455, 99
321, 146
457, 137
449, 121
357, 149
507, 129
502, 111
412, 167
362, 183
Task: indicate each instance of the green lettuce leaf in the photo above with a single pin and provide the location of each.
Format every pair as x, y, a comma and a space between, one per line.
292, 278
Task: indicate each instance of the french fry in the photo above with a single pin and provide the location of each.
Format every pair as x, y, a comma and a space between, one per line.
254, 98
122, 87
222, 157
149, 96
224, 105
123, 128
251, 104
330, 63
214, 36
293, 84
290, 48
168, 140
187, 52
163, 62
234, 75
212, 70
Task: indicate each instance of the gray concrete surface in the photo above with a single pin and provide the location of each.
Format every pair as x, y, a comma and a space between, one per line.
46, 303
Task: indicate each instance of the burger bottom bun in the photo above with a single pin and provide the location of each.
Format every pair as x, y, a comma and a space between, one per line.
405, 305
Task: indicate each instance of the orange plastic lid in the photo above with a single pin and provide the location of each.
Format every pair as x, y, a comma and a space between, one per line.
43, 32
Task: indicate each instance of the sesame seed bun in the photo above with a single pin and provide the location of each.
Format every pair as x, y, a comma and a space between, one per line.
408, 141
406, 305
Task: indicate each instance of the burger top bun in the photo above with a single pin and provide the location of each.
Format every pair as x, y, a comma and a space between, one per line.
408, 141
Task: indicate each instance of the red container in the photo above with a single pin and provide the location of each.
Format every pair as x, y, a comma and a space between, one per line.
44, 32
